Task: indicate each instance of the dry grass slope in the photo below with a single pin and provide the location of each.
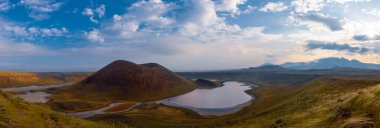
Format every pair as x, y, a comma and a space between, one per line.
18, 79
323, 102
15, 113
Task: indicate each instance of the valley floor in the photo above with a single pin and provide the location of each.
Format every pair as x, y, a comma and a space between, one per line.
283, 100
323, 102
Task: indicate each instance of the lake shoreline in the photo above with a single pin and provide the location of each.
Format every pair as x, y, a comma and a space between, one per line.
214, 111
27, 93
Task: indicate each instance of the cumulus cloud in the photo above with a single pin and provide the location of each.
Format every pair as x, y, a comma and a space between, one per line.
4, 5
96, 13
88, 12
151, 29
95, 36
333, 23
48, 31
230, 6
249, 9
274, 7
195, 32
21, 32
40, 9
312, 44
142, 18
346, 1
149, 18
374, 12
305, 6
31, 33
200, 18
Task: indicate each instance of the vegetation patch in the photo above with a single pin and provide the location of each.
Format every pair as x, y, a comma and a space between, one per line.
203, 83
75, 105
19, 79
322, 102
15, 113
120, 107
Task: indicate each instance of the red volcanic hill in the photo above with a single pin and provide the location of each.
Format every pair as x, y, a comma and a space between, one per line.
124, 80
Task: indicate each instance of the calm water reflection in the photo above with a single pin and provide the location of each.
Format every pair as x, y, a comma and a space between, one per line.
217, 101
36, 97
33, 93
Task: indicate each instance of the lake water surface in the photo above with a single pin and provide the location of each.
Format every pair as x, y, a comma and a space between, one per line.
36, 97
216, 101
35, 87
100, 111
33, 93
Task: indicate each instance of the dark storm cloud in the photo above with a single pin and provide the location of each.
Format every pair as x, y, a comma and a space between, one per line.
365, 38
333, 23
312, 44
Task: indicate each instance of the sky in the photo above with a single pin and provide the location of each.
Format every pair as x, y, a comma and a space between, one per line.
67, 35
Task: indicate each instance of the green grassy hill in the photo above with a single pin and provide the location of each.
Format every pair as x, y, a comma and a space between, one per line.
323, 102
15, 113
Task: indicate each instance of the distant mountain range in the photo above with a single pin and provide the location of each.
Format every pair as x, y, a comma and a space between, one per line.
266, 68
327, 63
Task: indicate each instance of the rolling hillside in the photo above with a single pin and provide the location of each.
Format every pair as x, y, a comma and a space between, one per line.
337, 98
18, 79
322, 102
15, 113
